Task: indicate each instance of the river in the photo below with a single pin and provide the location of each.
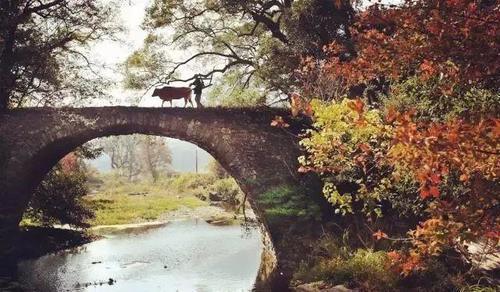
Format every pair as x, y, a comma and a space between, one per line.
180, 256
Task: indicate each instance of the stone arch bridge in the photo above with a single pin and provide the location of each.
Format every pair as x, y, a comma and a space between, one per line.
260, 157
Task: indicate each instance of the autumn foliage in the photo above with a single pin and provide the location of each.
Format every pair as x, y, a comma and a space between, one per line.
455, 40
450, 49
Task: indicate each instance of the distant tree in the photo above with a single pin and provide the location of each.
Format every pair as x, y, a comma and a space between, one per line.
122, 151
43, 50
155, 156
134, 155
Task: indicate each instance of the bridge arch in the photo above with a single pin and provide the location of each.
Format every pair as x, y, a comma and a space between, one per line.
259, 157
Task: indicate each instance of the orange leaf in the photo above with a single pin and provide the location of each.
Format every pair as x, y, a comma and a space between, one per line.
392, 115
364, 147
434, 191
424, 193
379, 235
496, 128
308, 111
394, 256
358, 106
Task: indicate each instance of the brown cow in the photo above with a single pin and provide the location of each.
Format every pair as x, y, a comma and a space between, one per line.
169, 93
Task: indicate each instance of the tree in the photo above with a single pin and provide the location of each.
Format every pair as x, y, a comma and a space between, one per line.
156, 156
261, 41
445, 42
134, 155
42, 50
59, 198
122, 151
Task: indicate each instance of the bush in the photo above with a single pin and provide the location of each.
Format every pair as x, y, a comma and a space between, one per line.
59, 197
200, 185
228, 189
216, 169
364, 268
367, 269
188, 181
285, 202
59, 200
349, 152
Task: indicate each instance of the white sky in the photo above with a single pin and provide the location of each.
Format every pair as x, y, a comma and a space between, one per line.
113, 55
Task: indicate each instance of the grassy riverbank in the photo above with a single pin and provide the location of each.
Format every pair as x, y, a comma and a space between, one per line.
114, 200
118, 201
140, 204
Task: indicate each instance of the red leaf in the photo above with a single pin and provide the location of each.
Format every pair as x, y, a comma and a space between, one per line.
358, 106
435, 178
379, 235
434, 191
424, 193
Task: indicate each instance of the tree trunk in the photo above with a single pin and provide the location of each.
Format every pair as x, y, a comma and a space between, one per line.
7, 79
4, 100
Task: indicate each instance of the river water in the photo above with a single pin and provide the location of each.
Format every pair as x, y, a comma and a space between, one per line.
180, 256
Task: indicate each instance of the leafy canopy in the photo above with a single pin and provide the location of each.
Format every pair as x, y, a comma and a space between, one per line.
44, 48
258, 42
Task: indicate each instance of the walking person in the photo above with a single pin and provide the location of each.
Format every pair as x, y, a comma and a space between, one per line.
198, 89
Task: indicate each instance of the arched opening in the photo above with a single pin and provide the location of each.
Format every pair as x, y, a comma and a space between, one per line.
214, 225
261, 158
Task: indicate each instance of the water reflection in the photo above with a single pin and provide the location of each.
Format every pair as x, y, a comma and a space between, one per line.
181, 256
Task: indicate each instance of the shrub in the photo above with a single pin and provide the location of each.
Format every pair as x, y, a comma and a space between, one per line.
228, 189
189, 181
285, 202
349, 152
59, 200
216, 169
364, 268
444, 174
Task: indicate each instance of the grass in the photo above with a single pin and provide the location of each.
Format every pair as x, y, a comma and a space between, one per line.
334, 262
122, 209
118, 201
115, 200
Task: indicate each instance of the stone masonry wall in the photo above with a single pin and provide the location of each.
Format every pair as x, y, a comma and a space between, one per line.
32, 141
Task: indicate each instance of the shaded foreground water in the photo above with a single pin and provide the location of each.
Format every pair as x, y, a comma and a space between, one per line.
180, 256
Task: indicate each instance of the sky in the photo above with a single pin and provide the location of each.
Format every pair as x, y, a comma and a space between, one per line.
112, 54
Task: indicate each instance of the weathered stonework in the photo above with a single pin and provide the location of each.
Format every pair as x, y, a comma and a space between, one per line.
258, 156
